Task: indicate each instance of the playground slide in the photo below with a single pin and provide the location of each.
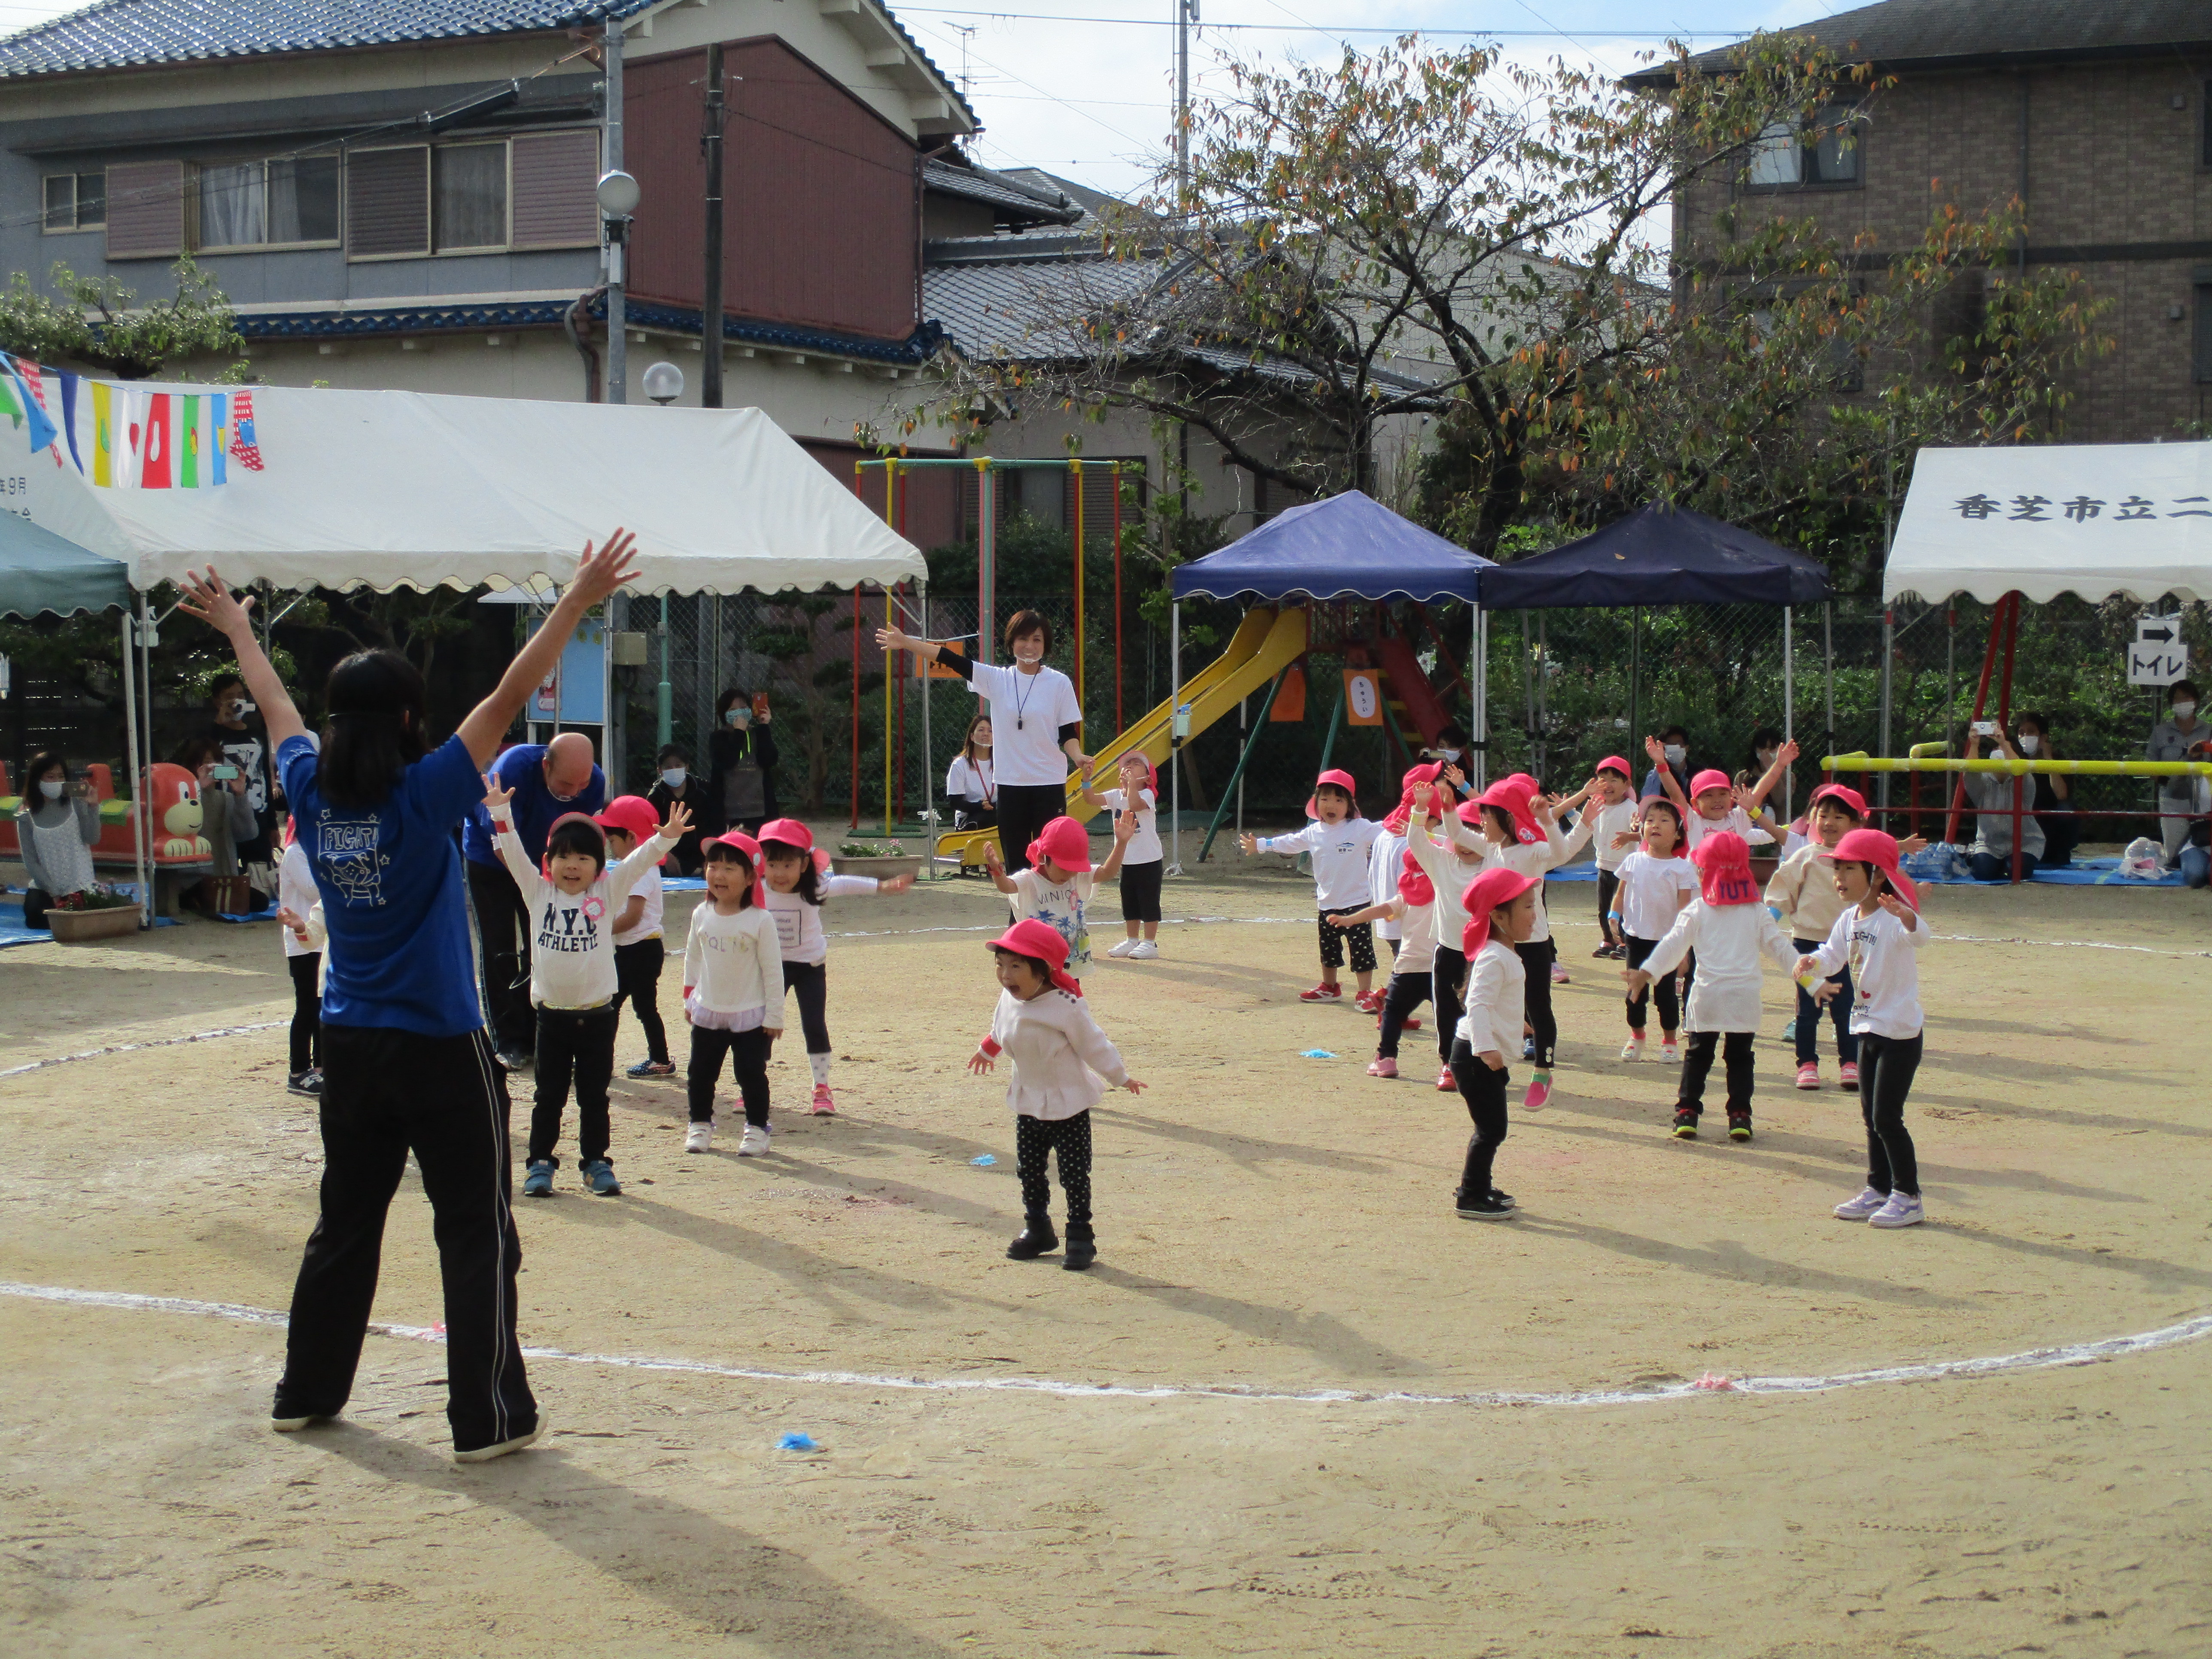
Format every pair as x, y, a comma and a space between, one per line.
1409, 685
1266, 642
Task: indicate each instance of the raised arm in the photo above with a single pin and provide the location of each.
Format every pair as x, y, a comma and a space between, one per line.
209, 598
598, 575
889, 639
1667, 781
1764, 786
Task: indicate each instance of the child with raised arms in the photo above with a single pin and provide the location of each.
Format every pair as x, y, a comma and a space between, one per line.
303, 957
1058, 1057
1656, 882
630, 821
1728, 928
1522, 833
732, 992
1449, 862
1611, 811
1712, 803
1501, 908
571, 899
1143, 861
1057, 888
1340, 842
1878, 937
795, 879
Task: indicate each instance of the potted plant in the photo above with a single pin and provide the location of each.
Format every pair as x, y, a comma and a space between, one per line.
98, 912
882, 859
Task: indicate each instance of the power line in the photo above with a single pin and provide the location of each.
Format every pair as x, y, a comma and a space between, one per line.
1390, 30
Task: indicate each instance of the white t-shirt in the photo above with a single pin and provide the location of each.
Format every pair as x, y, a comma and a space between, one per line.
1339, 859
1883, 956
1696, 826
1060, 908
1606, 823
799, 924
1385, 862
1531, 858
1651, 893
1449, 872
1144, 846
648, 919
1027, 711
296, 891
1497, 1000
971, 781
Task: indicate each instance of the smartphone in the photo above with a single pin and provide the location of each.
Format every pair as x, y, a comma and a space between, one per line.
222, 774
760, 705
1986, 728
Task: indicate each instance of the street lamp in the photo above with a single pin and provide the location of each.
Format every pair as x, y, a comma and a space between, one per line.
618, 194
663, 383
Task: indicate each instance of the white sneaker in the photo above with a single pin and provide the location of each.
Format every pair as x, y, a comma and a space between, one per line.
699, 1137
754, 1142
1859, 1208
500, 1448
1128, 947
1145, 951
1633, 1050
1903, 1210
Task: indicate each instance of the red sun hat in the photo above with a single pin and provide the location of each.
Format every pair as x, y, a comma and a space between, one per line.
790, 832
1723, 861
1879, 848
1493, 887
631, 814
1839, 792
1343, 780
1151, 782
545, 859
1066, 842
1034, 938
1511, 796
1417, 780
739, 839
1616, 764
1711, 778
1414, 884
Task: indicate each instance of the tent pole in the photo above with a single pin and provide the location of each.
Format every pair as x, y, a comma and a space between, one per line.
1543, 686
1478, 668
1174, 737
1241, 725
986, 539
1789, 708
1889, 650
130, 777
1527, 691
1075, 467
1120, 723
1635, 676
928, 754
1828, 656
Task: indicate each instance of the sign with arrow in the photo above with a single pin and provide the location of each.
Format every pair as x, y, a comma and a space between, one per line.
2160, 656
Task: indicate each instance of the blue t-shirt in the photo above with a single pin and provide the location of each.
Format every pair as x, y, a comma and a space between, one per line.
522, 768
394, 899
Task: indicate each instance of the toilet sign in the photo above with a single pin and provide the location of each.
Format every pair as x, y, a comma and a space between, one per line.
1363, 697
2158, 656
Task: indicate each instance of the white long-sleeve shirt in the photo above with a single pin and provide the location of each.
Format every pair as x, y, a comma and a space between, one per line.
732, 968
1803, 887
296, 891
572, 937
1883, 956
1531, 858
1496, 1000
1339, 859
1449, 872
1727, 939
1605, 823
1652, 889
1384, 862
1056, 1052
799, 924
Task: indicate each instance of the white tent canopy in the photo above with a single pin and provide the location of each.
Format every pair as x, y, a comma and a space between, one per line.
323, 488
2100, 520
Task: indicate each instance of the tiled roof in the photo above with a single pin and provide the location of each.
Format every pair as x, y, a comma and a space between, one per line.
1928, 33
1011, 198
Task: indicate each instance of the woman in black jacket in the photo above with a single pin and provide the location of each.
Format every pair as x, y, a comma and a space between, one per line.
741, 766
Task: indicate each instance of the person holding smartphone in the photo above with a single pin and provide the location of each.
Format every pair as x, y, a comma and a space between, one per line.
227, 821
1990, 795
237, 729
741, 765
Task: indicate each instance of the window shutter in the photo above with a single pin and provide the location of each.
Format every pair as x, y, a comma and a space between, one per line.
146, 211
556, 174
387, 207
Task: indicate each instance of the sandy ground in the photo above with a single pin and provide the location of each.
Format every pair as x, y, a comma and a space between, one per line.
1266, 1220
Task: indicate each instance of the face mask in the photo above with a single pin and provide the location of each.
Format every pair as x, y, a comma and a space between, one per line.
673, 777
1028, 653
1675, 753
2184, 709
1451, 755
2029, 743
739, 718
1766, 758
51, 789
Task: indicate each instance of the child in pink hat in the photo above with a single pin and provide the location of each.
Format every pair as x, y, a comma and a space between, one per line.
1061, 1062
1713, 803
1057, 887
1341, 843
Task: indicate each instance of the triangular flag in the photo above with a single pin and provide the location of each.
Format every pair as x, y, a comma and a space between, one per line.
42, 428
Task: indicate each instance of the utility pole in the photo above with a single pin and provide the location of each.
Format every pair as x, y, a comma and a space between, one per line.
617, 222
1185, 14
710, 314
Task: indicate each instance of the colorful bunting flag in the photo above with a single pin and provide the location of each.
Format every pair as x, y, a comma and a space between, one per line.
243, 443
157, 468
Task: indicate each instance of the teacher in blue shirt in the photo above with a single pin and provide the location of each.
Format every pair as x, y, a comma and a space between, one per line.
406, 1065
548, 781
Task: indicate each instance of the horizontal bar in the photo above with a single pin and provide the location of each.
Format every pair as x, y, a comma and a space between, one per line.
1922, 750
2088, 769
903, 462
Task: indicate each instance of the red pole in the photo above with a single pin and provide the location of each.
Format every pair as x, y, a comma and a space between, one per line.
2004, 714
1120, 724
855, 823
900, 658
1981, 698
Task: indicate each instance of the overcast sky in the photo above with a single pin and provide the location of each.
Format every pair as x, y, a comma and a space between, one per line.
1060, 84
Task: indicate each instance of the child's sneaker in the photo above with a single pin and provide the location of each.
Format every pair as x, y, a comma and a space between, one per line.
1506, 1199
1527, 1048
1602, 953
599, 1178
824, 1104
1850, 1074
309, 1082
1670, 1050
1128, 947
1738, 1125
1903, 1210
654, 1068
538, 1182
1446, 1082
754, 1142
1369, 1002
1488, 1207
1382, 1066
1634, 1048
1146, 951
1559, 974
1323, 993
1686, 1124
1410, 1025
1808, 1075
699, 1137
1790, 1032
1859, 1208
1540, 1090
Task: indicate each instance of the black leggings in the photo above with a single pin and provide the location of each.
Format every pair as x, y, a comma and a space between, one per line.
1839, 1011
812, 980
307, 1011
1697, 1065
1537, 960
1024, 809
1035, 1138
1407, 992
637, 978
748, 1052
1359, 939
1483, 1091
577, 1043
1447, 986
1140, 891
1670, 1007
1609, 930
1885, 1069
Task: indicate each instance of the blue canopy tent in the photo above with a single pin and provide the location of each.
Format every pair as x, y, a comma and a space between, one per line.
1346, 547
1662, 555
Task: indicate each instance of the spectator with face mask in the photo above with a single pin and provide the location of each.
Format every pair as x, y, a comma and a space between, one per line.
2180, 737
1990, 795
675, 785
1676, 743
741, 766
2054, 802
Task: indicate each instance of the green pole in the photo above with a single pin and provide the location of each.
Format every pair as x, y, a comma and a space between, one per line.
1229, 789
1328, 743
663, 694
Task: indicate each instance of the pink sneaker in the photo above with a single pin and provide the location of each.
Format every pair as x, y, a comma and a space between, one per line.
1446, 1082
823, 1105
1382, 1066
1540, 1090
1808, 1075
1322, 994
1559, 974
1850, 1074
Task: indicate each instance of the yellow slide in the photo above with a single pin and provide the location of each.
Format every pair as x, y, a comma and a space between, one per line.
1266, 642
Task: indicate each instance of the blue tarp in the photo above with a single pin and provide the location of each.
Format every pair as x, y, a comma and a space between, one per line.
1657, 555
1348, 547
40, 571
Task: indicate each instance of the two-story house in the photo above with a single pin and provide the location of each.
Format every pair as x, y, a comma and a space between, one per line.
2097, 114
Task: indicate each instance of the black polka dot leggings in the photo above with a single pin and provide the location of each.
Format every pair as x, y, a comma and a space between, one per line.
1360, 940
1035, 1139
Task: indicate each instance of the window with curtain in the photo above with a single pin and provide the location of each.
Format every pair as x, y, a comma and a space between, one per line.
284, 200
469, 195
303, 198
231, 206
1828, 152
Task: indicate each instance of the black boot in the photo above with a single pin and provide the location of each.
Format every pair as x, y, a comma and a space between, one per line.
1082, 1246
1037, 1236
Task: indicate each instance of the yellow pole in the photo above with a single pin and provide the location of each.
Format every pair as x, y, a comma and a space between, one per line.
891, 620
2086, 769
1076, 467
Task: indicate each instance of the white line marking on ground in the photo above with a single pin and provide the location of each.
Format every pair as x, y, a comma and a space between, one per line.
159, 1043
2072, 1353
